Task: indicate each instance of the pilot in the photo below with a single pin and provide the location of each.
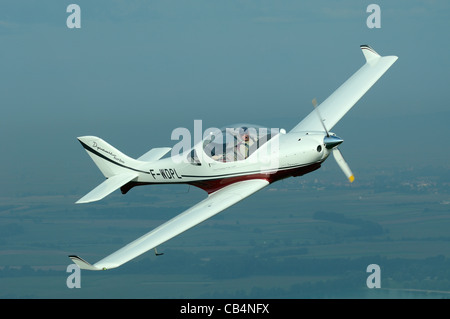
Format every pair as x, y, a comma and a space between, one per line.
242, 149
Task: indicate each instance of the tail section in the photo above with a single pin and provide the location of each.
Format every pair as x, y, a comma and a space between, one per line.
107, 187
108, 159
118, 168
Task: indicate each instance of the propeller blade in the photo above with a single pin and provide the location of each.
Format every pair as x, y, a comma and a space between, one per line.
343, 164
330, 143
314, 103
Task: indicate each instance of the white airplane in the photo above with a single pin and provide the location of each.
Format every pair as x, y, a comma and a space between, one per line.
230, 164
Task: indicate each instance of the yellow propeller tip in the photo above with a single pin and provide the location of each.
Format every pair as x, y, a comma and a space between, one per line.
351, 179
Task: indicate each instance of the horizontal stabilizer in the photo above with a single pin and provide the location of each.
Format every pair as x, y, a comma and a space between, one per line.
154, 154
107, 187
83, 264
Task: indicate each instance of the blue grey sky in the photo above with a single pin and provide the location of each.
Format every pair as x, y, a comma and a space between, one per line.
136, 70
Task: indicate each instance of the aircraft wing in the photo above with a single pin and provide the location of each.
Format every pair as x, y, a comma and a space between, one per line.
212, 205
343, 99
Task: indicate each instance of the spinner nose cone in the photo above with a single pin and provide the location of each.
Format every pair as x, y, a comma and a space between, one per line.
332, 141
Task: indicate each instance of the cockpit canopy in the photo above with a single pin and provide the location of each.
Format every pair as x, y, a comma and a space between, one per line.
233, 143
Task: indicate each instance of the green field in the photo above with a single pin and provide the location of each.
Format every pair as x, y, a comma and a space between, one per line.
287, 241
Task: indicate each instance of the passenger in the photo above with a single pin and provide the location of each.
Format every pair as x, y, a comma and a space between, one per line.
242, 149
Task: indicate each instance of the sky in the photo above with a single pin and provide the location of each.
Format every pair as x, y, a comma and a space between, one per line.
136, 70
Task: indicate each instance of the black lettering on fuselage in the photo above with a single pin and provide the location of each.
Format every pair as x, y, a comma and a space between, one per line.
169, 173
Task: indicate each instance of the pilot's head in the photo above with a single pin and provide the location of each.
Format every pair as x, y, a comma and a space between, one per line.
243, 132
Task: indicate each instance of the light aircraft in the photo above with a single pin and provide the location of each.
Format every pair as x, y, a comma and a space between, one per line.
232, 168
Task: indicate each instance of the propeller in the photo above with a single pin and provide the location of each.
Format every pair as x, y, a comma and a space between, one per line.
343, 164
331, 142
314, 102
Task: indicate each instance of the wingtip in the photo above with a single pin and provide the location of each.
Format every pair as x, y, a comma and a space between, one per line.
369, 53
83, 264
82, 201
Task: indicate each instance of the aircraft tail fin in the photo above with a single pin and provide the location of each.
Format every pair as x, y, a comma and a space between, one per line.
108, 159
118, 168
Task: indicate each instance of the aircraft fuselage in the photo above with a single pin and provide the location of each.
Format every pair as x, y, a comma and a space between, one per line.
291, 154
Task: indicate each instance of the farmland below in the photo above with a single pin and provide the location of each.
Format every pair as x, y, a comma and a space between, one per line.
298, 238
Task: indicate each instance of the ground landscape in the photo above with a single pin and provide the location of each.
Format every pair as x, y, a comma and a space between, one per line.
316, 244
